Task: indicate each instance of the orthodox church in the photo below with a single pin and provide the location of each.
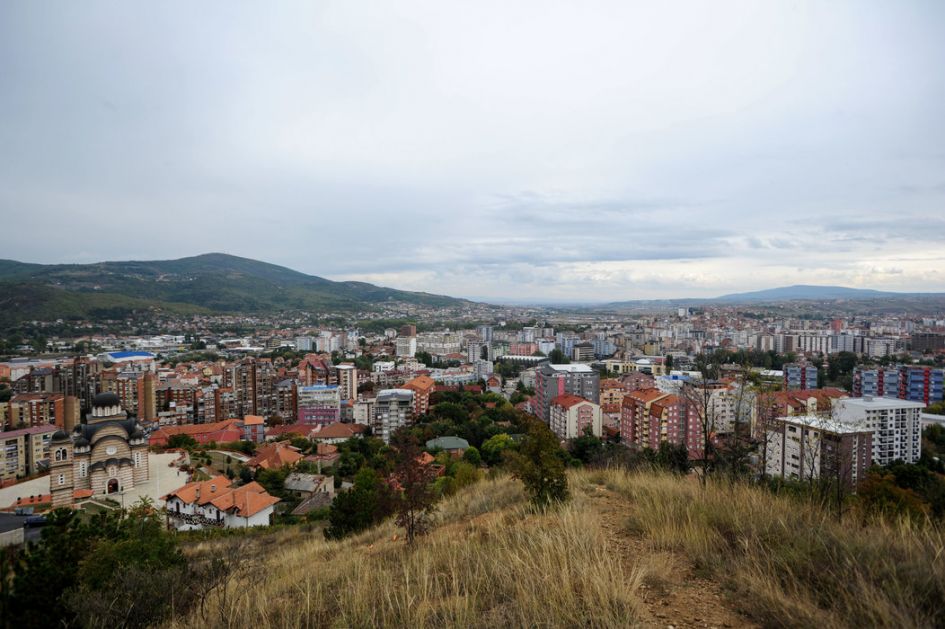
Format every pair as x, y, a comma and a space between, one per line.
107, 453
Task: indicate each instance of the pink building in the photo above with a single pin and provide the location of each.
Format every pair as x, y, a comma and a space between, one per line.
523, 349
571, 415
649, 417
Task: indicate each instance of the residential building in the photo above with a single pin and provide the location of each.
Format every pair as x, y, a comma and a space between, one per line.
876, 382
907, 382
552, 381
896, 426
337, 433
582, 352
319, 404
254, 428
405, 346
25, 451
393, 409
218, 432
800, 376
808, 447
455, 446
216, 503
928, 342
422, 387
570, 416
347, 381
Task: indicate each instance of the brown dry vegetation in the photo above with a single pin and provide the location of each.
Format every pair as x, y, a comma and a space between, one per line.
785, 561
491, 562
628, 549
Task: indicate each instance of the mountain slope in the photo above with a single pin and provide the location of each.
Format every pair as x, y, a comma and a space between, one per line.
212, 282
805, 292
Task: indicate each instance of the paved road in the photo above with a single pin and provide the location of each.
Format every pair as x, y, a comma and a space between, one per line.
9, 522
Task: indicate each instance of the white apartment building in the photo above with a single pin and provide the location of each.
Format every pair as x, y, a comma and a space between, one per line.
406, 346
393, 409
896, 426
440, 343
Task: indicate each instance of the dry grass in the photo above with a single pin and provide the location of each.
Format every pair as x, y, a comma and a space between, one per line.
491, 562
787, 562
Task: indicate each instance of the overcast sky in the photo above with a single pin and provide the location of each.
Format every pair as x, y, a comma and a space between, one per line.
501, 150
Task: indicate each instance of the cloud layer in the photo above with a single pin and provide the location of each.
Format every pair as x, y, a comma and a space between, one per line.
528, 150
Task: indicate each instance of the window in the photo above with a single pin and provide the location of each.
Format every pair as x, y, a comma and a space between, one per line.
62, 479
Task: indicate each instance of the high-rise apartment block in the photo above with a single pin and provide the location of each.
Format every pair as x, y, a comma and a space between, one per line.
895, 424
347, 381
393, 409
908, 382
807, 447
797, 376
552, 381
572, 416
319, 404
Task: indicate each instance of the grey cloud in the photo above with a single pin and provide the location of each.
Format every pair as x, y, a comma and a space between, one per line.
664, 148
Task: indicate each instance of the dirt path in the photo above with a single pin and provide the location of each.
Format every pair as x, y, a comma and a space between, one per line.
673, 595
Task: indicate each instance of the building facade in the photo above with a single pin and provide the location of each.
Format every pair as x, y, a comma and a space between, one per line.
810, 447
895, 425
571, 416
107, 453
393, 409
552, 381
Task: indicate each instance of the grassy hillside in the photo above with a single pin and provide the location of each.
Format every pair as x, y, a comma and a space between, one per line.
627, 549
22, 301
212, 282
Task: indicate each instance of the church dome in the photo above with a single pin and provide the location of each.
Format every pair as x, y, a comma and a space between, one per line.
60, 435
105, 400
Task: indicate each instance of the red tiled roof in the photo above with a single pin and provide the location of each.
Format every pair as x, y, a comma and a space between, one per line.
274, 456
338, 430
568, 400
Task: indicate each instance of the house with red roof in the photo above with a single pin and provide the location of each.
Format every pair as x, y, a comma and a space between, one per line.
216, 503
218, 432
274, 456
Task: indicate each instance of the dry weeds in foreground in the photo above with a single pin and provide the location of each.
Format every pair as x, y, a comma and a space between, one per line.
494, 562
491, 562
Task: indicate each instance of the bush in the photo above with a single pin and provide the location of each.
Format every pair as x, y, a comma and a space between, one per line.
472, 456
539, 465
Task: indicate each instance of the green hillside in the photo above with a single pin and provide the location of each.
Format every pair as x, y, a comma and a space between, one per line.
212, 282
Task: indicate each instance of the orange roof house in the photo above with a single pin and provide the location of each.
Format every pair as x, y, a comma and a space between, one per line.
216, 502
274, 456
220, 432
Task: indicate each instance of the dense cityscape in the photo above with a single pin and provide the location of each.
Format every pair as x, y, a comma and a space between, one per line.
481, 315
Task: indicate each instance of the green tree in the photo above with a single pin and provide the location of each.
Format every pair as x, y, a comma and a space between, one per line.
586, 448
557, 357
493, 448
539, 465
415, 496
472, 456
364, 505
182, 441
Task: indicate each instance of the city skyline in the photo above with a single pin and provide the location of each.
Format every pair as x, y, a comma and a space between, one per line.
541, 152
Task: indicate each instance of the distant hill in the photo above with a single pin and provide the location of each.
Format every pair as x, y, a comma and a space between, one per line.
213, 282
803, 291
798, 292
